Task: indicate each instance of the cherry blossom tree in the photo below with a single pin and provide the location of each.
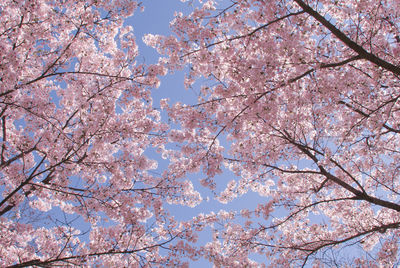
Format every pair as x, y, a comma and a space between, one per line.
300, 101
76, 118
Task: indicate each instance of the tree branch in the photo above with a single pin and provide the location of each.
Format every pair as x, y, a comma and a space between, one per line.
347, 41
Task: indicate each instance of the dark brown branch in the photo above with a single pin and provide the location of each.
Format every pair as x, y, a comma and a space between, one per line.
245, 35
347, 41
21, 185
46, 263
328, 243
5, 163
290, 81
358, 195
367, 115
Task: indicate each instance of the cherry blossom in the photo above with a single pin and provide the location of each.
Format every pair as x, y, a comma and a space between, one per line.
297, 104
302, 105
76, 119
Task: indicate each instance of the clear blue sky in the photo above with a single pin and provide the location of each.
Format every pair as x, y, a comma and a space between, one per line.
155, 20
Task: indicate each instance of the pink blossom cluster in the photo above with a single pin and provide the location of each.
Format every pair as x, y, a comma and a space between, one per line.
299, 107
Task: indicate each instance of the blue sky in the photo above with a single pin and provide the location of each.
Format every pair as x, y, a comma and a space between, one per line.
155, 19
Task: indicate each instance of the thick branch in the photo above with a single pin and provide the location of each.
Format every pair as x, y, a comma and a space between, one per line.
358, 195
38, 262
347, 41
367, 116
